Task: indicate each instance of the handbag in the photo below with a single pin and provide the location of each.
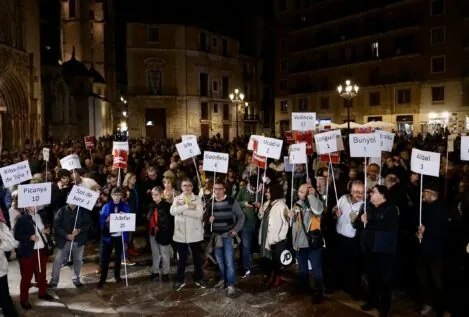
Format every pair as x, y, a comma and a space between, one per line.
49, 245
315, 239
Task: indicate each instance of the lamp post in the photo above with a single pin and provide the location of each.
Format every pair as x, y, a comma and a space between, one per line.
348, 92
237, 98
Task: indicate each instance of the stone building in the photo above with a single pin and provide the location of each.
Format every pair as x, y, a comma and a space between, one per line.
21, 112
179, 81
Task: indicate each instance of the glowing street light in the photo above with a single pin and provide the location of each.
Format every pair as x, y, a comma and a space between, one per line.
348, 92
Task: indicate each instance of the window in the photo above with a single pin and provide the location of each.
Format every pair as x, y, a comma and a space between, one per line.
204, 110
215, 42
438, 35
283, 45
283, 106
403, 96
375, 49
303, 104
154, 78
91, 15
438, 94
153, 34
438, 64
215, 108
437, 7
284, 66
203, 84
226, 111
324, 102
203, 41
303, 19
283, 85
374, 99
224, 47
72, 8
282, 5
225, 88
215, 85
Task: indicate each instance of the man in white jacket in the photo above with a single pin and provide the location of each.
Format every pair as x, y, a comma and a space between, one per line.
188, 212
7, 243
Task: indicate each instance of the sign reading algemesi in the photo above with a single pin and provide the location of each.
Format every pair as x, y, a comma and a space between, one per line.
82, 197
121, 222
425, 162
269, 147
70, 162
303, 121
31, 195
216, 162
297, 154
328, 142
15, 174
386, 140
364, 145
188, 148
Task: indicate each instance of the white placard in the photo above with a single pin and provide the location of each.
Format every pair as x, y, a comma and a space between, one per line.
251, 141
216, 162
303, 121
121, 222
270, 147
425, 162
70, 162
297, 153
189, 137
188, 148
464, 148
82, 197
45, 154
328, 142
121, 145
34, 195
15, 174
450, 145
364, 145
386, 140
286, 163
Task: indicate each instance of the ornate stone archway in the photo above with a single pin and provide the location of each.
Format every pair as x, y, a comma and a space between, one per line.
15, 125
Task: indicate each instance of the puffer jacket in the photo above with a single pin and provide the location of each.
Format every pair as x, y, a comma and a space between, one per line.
278, 223
7, 243
188, 225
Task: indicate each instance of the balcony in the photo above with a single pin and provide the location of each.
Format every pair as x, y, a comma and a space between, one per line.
251, 118
326, 38
148, 91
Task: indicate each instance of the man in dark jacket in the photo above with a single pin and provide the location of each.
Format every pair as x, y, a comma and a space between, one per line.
431, 233
68, 235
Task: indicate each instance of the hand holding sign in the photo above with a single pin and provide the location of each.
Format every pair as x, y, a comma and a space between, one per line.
31, 195
426, 163
82, 197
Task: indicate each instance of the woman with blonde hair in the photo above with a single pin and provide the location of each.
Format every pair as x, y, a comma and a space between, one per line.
169, 191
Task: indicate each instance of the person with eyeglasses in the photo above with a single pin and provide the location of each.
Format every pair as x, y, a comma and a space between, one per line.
226, 221
188, 212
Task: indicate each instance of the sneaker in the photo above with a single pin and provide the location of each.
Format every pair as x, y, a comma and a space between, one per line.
200, 284
231, 291
128, 263
165, 278
52, 286
178, 286
78, 284
426, 310
220, 285
247, 274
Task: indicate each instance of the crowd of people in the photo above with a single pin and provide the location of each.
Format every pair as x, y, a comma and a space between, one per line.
365, 240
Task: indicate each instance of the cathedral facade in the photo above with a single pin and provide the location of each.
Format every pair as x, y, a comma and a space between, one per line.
21, 111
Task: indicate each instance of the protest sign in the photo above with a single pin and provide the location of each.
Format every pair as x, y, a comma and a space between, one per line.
303, 121
15, 174
216, 162
31, 195
70, 162
297, 153
121, 222
425, 162
82, 197
270, 147
188, 148
364, 145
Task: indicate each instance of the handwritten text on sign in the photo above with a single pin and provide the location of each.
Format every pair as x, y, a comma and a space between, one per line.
34, 195
303, 121
425, 162
297, 153
121, 222
70, 162
45, 154
16, 173
82, 197
386, 140
189, 137
216, 162
328, 142
270, 147
188, 148
364, 145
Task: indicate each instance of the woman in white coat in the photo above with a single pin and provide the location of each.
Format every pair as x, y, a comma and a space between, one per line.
273, 232
7, 243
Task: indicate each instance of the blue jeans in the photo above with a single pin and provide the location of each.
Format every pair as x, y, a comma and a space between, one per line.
225, 260
246, 238
315, 257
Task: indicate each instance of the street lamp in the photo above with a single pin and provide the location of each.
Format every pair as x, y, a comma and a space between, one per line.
348, 93
237, 98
